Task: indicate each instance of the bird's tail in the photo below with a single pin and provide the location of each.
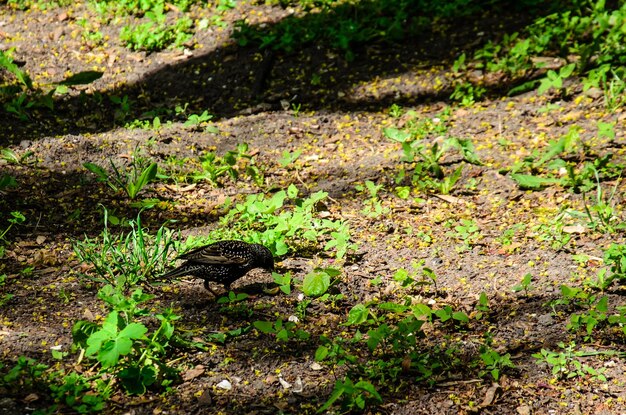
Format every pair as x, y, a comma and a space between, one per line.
176, 272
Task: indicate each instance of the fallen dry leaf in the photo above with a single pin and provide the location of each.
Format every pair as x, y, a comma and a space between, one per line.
193, 373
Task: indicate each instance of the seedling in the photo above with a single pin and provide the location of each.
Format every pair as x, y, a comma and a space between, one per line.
141, 173
525, 285
555, 79
282, 330
15, 219
494, 363
288, 158
566, 364
373, 206
283, 281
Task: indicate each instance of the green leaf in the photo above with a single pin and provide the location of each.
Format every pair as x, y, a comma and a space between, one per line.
358, 315
266, 327
468, 150
321, 353
7, 181
82, 78
282, 335
17, 217
81, 331
292, 191
337, 392
281, 247
148, 174
135, 380
377, 336
102, 174
7, 62
403, 192
606, 130
393, 307
111, 350
603, 304
460, 316
368, 387
522, 88
566, 71
483, 300
527, 181
396, 135
422, 310
315, 284
332, 272
107, 332
134, 331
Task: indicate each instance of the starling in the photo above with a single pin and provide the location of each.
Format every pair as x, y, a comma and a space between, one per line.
223, 262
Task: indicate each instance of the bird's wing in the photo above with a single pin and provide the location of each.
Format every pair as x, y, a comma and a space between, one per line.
211, 254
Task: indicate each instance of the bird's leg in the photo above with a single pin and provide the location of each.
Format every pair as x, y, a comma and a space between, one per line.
208, 287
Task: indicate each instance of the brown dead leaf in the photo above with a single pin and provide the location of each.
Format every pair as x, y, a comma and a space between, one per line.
176, 188
450, 199
205, 398
490, 396
406, 364
88, 315
193, 373
574, 229
32, 397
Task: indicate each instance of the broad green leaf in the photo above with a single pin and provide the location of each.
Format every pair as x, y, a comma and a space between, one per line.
527, 181
315, 284
332, 272
264, 326
393, 307
321, 353
134, 331
460, 316
422, 310
292, 191
107, 332
468, 150
281, 247
282, 335
603, 304
111, 350
566, 71
358, 315
376, 336
403, 192
82, 78
396, 135
368, 387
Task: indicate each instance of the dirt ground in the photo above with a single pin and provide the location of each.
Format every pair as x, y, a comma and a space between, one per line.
338, 128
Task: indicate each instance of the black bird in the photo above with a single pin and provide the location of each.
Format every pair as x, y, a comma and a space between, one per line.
223, 262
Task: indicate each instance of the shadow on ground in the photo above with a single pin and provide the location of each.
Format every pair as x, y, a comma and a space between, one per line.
233, 80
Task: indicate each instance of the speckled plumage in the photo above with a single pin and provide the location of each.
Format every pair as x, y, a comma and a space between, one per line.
223, 262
